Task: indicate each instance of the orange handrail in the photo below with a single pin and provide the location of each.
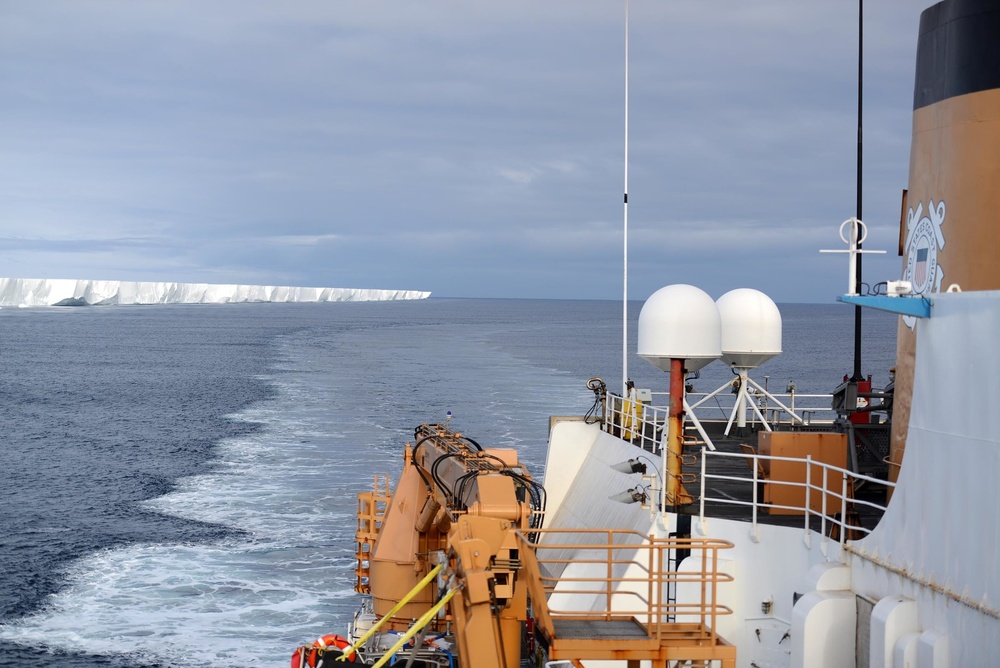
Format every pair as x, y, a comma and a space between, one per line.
614, 592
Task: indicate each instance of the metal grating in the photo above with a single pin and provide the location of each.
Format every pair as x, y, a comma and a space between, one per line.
600, 629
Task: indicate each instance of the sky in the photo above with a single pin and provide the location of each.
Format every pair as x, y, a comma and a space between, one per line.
469, 148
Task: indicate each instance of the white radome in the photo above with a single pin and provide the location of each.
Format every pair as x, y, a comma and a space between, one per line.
751, 328
680, 322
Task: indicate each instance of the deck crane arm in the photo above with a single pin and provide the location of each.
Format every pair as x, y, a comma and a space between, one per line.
457, 498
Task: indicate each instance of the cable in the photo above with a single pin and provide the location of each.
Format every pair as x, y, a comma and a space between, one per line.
437, 479
600, 390
460, 493
413, 457
454, 494
466, 438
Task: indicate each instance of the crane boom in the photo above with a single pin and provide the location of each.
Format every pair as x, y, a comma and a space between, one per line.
458, 503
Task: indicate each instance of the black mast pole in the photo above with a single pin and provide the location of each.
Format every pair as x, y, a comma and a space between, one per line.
857, 258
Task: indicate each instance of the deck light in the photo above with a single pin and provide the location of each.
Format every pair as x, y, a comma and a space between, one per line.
630, 466
634, 495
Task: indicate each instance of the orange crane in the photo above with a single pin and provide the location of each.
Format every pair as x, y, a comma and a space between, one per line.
453, 554
460, 503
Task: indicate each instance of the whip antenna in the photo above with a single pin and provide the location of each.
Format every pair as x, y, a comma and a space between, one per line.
625, 225
857, 258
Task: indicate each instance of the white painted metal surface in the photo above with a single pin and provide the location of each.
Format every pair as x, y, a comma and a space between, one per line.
938, 542
823, 630
579, 480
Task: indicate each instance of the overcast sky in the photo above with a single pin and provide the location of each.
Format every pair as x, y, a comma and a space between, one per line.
470, 148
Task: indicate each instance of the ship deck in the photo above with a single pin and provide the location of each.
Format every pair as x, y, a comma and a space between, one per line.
734, 482
730, 482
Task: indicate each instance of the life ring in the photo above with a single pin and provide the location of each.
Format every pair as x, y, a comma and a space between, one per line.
334, 640
310, 656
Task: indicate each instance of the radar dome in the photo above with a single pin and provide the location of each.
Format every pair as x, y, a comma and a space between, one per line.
679, 322
751, 328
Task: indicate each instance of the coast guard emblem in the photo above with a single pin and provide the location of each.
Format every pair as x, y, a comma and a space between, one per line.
923, 241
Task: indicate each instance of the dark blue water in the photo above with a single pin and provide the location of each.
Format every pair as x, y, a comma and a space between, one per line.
102, 408
177, 482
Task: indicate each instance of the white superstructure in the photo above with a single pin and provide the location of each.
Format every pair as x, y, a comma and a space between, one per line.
931, 564
920, 590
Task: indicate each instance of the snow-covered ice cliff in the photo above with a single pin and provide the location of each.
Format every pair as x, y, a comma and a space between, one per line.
71, 292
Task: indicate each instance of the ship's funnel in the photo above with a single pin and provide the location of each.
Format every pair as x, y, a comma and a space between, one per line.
680, 322
948, 228
751, 328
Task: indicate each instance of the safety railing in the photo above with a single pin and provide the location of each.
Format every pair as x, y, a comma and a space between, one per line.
609, 574
643, 423
829, 494
810, 408
371, 511
639, 423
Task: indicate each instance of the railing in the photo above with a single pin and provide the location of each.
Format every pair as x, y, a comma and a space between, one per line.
634, 421
370, 514
818, 407
609, 574
642, 424
831, 488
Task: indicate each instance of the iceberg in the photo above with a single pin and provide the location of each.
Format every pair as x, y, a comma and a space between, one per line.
73, 292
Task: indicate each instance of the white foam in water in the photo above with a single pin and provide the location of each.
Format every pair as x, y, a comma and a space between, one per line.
344, 406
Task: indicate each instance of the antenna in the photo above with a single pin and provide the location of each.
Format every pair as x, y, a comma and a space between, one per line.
856, 288
625, 225
856, 233
679, 328
751, 335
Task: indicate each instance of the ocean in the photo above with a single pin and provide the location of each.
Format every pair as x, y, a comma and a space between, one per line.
178, 483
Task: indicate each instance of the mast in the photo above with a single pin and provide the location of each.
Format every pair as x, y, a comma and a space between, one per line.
857, 258
625, 225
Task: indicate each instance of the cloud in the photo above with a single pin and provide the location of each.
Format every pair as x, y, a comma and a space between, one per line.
301, 239
323, 142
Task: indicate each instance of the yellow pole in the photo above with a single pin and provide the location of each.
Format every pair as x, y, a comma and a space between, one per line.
399, 606
413, 630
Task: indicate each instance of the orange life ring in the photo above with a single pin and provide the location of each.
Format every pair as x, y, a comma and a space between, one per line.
339, 642
308, 656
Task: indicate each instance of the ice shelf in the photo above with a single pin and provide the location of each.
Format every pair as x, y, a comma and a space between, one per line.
72, 292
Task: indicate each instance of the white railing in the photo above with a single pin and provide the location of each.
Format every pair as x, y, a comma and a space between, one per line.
642, 424
709, 407
840, 513
639, 423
